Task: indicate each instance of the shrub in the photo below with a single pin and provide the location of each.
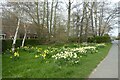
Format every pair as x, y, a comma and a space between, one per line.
6, 44
99, 39
90, 39
72, 39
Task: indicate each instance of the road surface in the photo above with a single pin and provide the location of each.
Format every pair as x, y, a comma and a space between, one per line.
108, 68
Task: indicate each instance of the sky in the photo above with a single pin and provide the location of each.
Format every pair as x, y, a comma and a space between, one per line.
65, 0
114, 32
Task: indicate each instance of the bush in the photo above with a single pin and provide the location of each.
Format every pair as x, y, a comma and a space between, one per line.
73, 39
99, 39
90, 39
102, 39
7, 44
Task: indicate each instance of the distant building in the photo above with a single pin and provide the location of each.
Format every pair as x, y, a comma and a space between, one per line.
9, 28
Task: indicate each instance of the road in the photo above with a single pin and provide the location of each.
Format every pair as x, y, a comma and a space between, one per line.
108, 68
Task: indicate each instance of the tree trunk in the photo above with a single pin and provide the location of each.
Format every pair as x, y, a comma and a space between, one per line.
44, 13
37, 12
81, 27
23, 41
95, 8
91, 13
47, 19
101, 19
54, 26
38, 19
87, 16
77, 27
15, 37
68, 23
51, 16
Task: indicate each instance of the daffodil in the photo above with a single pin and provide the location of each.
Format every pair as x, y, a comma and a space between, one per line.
44, 55
36, 56
46, 51
11, 57
39, 50
16, 54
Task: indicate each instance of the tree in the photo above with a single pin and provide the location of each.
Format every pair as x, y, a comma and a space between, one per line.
44, 13
54, 26
69, 13
48, 18
18, 14
95, 17
51, 18
91, 16
87, 17
81, 25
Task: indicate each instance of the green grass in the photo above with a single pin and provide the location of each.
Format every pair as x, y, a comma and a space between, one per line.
27, 66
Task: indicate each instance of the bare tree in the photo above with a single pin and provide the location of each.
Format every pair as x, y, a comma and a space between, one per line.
81, 22
44, 13
51, 17
87, 18
54, 26
91, 13
69, 14
95, 17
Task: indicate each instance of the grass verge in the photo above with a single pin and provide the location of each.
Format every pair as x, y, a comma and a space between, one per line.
29, 67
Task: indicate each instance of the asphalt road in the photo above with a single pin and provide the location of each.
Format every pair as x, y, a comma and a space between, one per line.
108, 68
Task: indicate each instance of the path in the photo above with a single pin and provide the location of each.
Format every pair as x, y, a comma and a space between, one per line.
108, 68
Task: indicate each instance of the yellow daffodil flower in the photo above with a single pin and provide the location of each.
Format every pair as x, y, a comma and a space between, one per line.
11, 57
16, 54
44, 55
36, 56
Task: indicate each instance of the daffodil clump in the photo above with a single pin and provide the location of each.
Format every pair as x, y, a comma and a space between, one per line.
38, 51
16, 54
43, 54
80, 50
30, 49
100, 45
66, 57
91, 49
74, 54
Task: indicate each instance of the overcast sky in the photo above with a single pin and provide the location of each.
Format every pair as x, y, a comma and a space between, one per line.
62, 0
114, 32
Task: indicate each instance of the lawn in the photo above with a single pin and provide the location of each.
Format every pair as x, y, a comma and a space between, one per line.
29, 65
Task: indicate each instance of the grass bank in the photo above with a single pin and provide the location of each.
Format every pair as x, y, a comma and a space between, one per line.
28, 66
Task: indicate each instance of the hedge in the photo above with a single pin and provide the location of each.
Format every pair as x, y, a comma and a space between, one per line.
99, 39
72, 39
6, 44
